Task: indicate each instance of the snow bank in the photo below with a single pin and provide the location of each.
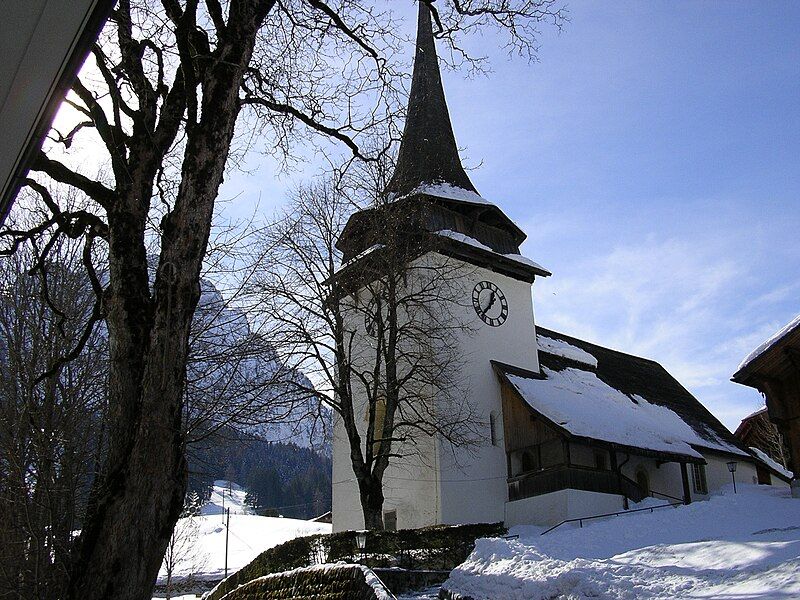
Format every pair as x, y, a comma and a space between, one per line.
775, 465
585, 405
766, 345
562, 348
745, 545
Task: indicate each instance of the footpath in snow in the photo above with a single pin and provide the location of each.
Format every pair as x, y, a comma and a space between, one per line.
201, 554
744, 545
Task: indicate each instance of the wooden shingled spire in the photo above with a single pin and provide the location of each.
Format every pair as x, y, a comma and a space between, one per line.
428, 151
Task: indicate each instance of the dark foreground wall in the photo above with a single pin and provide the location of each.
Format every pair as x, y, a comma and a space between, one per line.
327, 582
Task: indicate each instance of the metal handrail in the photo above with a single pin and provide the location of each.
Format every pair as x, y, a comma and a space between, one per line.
653, 493
614, 514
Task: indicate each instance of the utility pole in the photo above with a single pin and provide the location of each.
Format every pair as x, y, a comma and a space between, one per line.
227, 530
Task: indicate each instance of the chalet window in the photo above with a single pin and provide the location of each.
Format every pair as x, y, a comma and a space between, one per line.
600, 460
699, 479
493, 429
390, 520
552, 453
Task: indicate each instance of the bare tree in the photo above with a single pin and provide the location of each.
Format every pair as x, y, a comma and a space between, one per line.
51, 429
182, 550
376, 334
169, 82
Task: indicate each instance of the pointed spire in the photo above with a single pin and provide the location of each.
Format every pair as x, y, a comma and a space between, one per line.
428, 151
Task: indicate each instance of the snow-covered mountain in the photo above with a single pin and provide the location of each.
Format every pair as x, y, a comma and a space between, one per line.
236, 378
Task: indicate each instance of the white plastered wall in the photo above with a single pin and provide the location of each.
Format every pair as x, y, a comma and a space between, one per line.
553, 508
474, 488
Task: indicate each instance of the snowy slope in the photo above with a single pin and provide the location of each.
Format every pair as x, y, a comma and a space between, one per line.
732, 546
249, 536
226, 495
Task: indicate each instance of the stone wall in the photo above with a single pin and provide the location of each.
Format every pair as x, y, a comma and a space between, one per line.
430, 548
323, 582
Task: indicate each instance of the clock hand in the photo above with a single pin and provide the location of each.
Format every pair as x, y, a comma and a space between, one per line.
492, 300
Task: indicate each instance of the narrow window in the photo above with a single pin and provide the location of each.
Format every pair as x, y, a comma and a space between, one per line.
493, 428
380, 416
699, 479
390, 520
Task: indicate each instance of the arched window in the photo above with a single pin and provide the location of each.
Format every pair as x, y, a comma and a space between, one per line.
529, 461
643, 481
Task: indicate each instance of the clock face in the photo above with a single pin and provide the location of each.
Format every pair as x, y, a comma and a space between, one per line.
490, 303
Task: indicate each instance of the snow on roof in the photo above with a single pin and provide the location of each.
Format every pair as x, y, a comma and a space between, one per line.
764, 457
586, 406
465, 239
360, 255
761, 410
562, 348
767, 344
449, 192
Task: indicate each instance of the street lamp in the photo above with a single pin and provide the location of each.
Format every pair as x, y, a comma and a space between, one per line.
361, 542
732, 469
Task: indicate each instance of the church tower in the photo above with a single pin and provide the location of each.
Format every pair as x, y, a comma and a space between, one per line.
431, 184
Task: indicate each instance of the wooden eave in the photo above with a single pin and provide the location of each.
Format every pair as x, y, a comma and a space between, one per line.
359, 222
775, 363
501, 369
479, 208
490, 260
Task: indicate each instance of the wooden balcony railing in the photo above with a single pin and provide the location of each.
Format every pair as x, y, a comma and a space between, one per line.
572, 477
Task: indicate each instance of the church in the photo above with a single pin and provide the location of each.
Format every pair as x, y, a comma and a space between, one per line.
572, 429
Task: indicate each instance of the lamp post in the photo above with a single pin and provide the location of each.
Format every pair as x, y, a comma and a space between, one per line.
732, 469
361, 543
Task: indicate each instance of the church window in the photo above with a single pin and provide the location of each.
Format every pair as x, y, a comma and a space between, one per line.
380, 416
493, 429
699, 479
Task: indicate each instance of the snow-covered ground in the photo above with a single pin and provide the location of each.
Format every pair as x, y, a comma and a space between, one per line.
202, 539
739, 546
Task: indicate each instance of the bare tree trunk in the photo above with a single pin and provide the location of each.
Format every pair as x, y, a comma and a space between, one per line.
371, 492
141, 499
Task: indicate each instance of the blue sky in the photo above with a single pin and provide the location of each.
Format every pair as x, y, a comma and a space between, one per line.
652, 157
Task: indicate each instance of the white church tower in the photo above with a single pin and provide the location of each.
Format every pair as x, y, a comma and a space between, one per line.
430, 180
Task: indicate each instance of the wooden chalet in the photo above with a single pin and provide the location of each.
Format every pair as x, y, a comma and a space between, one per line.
774, 370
